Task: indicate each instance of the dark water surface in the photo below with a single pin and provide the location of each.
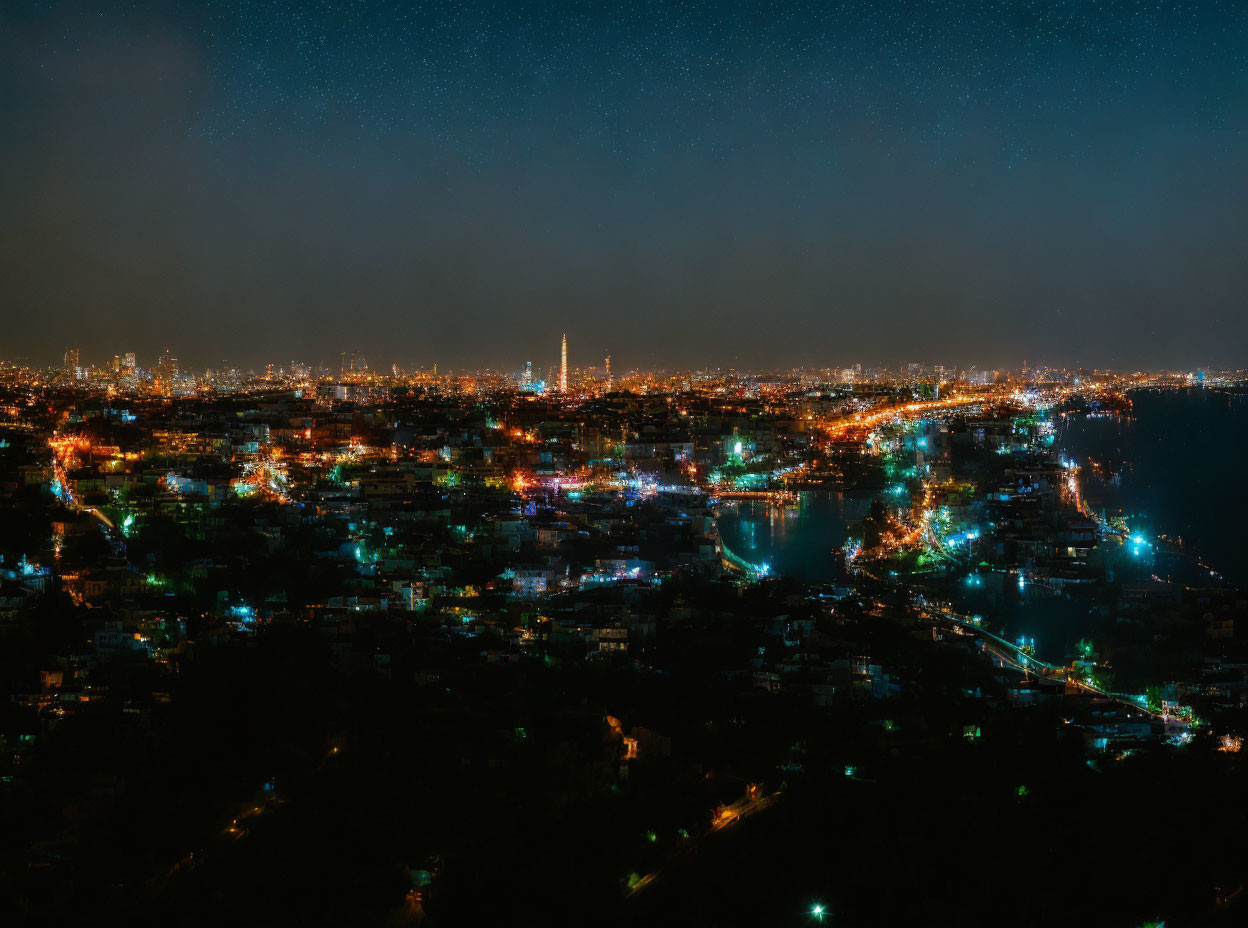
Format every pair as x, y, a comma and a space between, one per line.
1180, 457
1181, 460
795, 541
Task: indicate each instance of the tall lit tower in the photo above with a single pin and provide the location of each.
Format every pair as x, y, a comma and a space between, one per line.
563, 366
607, 363
71, 363
166, 366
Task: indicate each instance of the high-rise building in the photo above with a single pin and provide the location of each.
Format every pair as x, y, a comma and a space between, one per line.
563, 366
166, 367
607, 365
528, 373
71, 363
128, 362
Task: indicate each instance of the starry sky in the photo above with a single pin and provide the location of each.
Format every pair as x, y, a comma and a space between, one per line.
676, 183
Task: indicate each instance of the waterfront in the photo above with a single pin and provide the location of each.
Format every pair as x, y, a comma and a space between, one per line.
1161, 466
1173, 468
795, 541
802, 542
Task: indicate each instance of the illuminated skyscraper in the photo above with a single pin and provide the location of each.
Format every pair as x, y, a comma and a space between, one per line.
353, 363
563, 366
607, 364
71, 363
166, 369
128, 362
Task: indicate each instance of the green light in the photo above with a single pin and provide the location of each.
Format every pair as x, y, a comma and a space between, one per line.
817, 912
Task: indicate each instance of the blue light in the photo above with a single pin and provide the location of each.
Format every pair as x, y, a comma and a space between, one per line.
243, 613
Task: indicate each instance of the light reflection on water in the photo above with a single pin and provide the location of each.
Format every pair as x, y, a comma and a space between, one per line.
1178, 461
797, 541
1183, 451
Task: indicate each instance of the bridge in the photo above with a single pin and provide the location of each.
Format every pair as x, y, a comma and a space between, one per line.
1014, 656
738, 564
776, 497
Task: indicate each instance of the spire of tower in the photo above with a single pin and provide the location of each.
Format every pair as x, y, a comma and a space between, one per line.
563, 365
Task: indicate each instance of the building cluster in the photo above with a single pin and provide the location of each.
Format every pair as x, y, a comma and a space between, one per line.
432, 531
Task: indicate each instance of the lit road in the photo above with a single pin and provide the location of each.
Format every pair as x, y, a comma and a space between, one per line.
64, 452
752, 802
1013, 656
869, 419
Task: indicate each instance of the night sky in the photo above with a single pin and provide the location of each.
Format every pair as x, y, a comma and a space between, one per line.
677, 183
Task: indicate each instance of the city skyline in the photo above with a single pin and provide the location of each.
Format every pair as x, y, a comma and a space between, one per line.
356, 362
607, 626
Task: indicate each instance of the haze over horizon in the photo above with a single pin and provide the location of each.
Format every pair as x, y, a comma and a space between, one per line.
676, 184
